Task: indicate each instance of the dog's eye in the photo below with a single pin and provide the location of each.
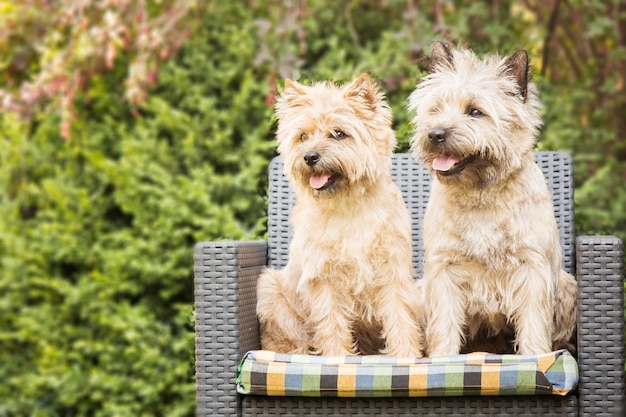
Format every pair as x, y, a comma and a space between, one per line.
338, 135
475, 112
303, 137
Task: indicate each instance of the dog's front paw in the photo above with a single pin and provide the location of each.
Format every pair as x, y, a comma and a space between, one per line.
443, 350
440, 353
333, 348
404, 352
408, 346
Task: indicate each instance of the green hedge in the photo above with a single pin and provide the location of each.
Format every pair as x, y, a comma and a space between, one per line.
97, 233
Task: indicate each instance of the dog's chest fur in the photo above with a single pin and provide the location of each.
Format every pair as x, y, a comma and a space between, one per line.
495, 229
485, 237
329, 243
482, 235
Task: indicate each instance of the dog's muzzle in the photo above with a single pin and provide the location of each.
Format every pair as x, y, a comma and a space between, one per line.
311, 158
437, 136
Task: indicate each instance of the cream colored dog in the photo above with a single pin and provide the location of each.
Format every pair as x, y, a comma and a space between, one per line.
492, 263
348, 285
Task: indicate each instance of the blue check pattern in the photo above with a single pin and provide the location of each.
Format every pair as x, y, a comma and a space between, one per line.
275, 374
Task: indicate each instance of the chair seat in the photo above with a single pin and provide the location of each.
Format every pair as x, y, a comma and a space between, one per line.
269, 373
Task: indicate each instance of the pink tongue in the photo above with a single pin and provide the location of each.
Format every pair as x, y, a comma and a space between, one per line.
318, 181
444, 163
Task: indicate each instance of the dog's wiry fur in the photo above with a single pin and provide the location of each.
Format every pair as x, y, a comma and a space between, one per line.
492, 266
348, 284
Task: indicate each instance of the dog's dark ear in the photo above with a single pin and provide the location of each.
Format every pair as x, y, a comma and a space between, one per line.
363, 89
517, 66
440, 57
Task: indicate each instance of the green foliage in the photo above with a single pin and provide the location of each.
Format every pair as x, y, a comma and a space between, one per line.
52, 50
584, 102
600, 198
96, 233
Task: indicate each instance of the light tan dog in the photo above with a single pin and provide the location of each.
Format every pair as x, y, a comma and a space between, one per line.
492, 260
348, 285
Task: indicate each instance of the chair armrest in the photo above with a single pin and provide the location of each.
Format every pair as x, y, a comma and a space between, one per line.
225, 276
599, 271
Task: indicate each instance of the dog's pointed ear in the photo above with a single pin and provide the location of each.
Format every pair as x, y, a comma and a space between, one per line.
440, 57
517, 67
292, 94
363, 89
292, 88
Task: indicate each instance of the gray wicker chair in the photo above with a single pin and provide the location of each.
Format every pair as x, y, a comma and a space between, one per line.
226, 323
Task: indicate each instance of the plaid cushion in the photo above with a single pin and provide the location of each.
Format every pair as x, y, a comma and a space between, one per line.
270, 373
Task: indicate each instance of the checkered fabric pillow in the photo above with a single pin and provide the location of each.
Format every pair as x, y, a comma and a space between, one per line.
270, 373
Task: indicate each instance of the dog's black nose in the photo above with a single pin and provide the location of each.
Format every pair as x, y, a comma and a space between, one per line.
311, 158
437, 136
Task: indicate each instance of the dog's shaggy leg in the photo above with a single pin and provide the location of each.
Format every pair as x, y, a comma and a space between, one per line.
329, 318
282, 325
400, 318
445, 318
566, 312
533, 310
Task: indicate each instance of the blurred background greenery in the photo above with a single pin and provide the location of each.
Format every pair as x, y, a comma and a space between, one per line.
132, 129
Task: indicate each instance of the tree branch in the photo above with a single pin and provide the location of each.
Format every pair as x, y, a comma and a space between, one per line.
549, 34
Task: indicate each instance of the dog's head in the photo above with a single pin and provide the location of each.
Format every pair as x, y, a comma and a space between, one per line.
334, 139
475, 119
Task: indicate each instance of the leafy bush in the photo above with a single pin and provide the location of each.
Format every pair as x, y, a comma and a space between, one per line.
97, 233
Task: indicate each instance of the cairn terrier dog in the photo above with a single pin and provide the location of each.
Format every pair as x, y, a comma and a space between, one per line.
492, 255
348, 285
